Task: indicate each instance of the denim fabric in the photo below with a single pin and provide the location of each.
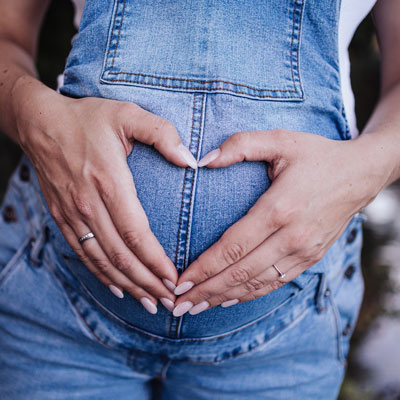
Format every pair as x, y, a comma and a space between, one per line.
58, 341
211, 69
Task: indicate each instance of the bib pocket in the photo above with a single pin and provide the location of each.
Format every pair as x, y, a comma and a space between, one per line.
249, 49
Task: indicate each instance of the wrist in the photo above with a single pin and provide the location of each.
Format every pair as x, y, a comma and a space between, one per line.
29, 98
376, 163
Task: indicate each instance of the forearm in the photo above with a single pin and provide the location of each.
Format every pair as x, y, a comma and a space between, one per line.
17, 71
380, 139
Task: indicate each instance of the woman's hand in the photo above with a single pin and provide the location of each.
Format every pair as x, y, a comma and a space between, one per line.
318, 184
79, 149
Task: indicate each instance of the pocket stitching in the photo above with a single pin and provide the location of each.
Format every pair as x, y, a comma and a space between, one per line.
296, 26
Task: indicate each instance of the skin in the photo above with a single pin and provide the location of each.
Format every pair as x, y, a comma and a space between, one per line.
292, 225
80, 187
70, 143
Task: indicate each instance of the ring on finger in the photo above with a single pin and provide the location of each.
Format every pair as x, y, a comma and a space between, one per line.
281, 274
86, 236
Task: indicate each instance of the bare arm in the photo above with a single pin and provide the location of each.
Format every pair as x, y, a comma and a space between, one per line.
83, 189
20, 23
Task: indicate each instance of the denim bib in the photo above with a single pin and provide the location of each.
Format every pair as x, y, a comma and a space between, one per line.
211, 68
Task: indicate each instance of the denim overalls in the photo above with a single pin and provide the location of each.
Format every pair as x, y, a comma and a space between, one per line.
212, 69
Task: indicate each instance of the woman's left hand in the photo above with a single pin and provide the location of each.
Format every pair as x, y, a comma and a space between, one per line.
318, 184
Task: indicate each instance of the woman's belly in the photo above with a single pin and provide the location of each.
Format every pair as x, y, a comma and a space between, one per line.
188, 210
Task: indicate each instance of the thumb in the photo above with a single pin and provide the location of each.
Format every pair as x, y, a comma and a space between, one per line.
244, 146
151, 129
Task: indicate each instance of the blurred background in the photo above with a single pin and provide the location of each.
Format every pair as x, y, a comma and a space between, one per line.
374, 361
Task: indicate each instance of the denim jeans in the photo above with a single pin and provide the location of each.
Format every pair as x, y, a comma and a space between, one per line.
212, 70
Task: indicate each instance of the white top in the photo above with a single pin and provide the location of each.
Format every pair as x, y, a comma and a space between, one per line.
352, 12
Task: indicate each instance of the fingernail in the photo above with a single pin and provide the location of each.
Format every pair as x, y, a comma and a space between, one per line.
229, 303
117, 292
182, 308
148, 305
167, 303
187, 156
183, 287
169, 284
198, 308
211, 156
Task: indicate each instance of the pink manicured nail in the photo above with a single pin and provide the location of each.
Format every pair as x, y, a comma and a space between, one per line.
211, 156
187, 156
148, 305
169, 284
198, 308
183, 287
167, 303
115, 291
182, 308
229, 303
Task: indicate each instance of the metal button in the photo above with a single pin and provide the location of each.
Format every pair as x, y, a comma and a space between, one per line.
347, 329
9, 214
327, 292
349, 271
352, 235
24, 173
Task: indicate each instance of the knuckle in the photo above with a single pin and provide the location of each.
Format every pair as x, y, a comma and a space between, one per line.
232, 253
133, 239
107, 189
83, 205
149, 287
121, 261
282, 213
239, 275
125, 109
203, 292
254, 284
276, 284
220, 298
101, 264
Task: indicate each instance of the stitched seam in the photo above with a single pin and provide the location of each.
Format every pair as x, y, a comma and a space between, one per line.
25, 207
192, 197
128, 326
67, 293
119, 33
199, 81
298, 47
204, 89
205, 81
270, 336
181, 209
197, 154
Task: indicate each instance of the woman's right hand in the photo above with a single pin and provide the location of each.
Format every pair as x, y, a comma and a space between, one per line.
78, 148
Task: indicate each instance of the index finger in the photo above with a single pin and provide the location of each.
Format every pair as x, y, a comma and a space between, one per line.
133, 226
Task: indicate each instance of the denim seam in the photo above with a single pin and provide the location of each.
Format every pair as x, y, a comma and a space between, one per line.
191, 200
189, 181
338, 326
13, 262
25, 207
109, 314
271, 336
65, 290
296, 21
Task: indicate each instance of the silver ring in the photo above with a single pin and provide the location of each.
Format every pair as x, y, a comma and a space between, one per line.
88, 235
282, 274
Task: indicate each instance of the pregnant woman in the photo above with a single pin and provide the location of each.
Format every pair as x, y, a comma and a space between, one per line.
185, 220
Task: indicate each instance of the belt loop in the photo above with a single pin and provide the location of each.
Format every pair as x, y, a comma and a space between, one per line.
321, 293
37, 245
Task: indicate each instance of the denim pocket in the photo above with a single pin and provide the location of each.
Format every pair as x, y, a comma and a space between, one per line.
190, 46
